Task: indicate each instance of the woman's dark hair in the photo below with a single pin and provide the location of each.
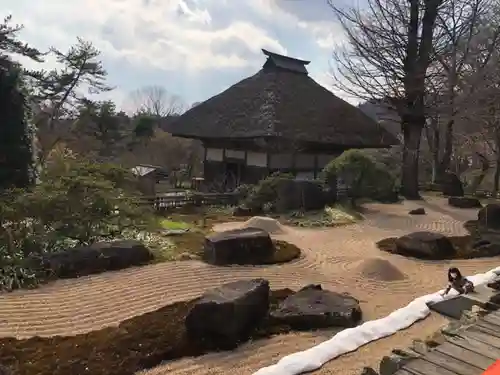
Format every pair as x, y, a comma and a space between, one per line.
456, 271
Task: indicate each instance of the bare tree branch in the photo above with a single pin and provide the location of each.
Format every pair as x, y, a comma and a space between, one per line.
156, 101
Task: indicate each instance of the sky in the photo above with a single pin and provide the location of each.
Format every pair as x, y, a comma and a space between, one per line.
193, 48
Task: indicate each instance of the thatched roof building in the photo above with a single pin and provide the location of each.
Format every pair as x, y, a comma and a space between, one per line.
279, 110
281, 100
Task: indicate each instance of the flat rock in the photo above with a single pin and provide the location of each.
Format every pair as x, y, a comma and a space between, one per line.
238, 246
464, 202
99, 257
226, 315
312, 307
426, 245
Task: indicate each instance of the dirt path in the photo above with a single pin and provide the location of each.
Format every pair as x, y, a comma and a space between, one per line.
337, 258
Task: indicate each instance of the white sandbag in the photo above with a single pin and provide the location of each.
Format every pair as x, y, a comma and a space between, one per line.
351, 339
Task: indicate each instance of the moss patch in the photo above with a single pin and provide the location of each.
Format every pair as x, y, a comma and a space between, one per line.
284, 252
173, 225
138, 343
329, 217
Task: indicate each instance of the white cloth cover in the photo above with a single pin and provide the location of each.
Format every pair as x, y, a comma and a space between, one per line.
351, 339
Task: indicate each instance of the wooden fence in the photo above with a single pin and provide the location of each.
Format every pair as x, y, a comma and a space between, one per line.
179, 199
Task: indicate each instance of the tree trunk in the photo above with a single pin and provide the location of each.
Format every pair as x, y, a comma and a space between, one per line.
433, 140
444, 164
497, 176
485, 166
412, 132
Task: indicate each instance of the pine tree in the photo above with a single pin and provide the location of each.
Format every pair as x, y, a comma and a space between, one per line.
16, 153
16, 135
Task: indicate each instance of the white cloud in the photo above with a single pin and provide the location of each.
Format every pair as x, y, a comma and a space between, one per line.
199, 41
167, 34
326, 34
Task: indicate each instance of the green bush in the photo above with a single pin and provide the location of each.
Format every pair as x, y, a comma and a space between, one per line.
77, 202
362, 175
264, 195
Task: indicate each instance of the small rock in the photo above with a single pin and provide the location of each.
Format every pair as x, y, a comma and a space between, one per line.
392, 363
368, 371
417, 211
494, 285
187, 256
464, 202
452, 328
471, 316
420, 347
244, 211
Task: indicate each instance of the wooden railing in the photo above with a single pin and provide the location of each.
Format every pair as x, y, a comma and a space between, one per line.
196, 199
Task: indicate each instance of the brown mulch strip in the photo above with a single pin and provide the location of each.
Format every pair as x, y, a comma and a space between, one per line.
138, 343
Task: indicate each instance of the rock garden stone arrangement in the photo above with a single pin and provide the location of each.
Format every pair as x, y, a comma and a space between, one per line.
483, 240
87, 260
427, 245
222, 318
250, 246
312, 307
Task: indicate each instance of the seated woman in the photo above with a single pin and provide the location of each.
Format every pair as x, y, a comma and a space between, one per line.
458, 282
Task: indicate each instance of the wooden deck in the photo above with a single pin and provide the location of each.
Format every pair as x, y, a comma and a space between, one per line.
483, 296
468, 353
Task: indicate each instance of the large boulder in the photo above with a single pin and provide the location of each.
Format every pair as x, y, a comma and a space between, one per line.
238, 246
225, 316
426, 245
99, 257
312, 307
489, 216
464, 202
486, 249
451, 185
299, 195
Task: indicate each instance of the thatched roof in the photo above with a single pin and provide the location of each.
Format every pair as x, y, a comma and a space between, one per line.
281, 100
